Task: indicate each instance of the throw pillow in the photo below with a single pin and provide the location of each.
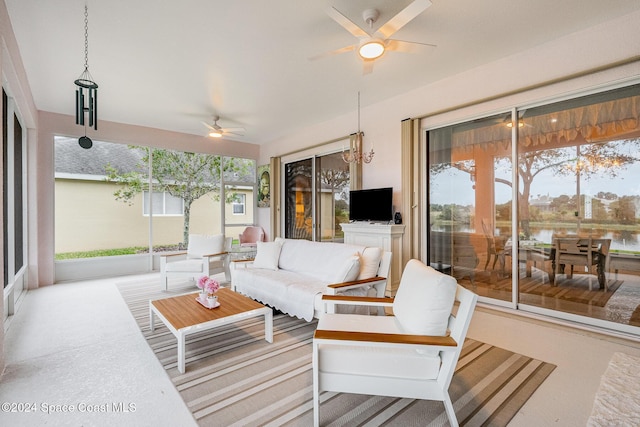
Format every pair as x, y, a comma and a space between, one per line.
267, 255
369, 262
424, 299
348, 271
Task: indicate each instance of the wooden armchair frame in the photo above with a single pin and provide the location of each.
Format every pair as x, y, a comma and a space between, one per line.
206, 261
337, 329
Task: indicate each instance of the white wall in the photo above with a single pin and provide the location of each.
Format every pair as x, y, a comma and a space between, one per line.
614, 41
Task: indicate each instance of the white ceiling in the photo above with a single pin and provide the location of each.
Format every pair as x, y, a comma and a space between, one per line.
172, 64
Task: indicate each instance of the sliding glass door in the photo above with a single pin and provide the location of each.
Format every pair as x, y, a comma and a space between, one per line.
316, 198
470, 193
298, 200
559, 233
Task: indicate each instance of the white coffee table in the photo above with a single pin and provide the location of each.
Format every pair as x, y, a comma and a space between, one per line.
183, 315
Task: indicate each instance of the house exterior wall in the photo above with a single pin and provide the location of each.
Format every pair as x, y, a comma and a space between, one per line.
88, 217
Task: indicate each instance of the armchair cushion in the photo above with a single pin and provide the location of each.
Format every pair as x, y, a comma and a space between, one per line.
380, 362
201, 244
424, 300
267, 255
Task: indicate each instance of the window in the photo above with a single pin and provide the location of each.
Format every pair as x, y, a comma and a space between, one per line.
552, 226
163, 203
14, 185
239, 204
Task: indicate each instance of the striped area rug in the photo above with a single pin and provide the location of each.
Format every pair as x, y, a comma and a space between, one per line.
235, 378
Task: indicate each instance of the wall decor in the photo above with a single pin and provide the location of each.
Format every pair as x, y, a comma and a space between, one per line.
264, 186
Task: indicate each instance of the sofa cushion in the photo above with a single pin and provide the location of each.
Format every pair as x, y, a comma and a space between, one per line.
316, 259
424, 299
202, 244
267, 255
369, 262
289, 292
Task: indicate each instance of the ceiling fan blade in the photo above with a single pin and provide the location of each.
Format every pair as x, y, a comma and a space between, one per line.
333, 52
403, 17
408, 47
233, 133
346, 23
231, 130
208, 125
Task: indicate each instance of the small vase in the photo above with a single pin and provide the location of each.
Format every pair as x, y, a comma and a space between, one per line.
203, 296
212, 300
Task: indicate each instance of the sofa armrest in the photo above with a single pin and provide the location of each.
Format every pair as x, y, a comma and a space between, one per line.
334, 287
357, 300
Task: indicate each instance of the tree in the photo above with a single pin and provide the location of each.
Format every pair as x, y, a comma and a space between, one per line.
582, 161
624, 210
187, 176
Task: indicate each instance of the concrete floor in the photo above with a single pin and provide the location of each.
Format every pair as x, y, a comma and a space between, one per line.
76, 344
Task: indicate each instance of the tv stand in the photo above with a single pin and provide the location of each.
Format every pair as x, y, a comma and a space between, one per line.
383, 235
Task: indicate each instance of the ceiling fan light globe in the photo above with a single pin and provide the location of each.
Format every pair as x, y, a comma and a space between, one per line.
215, 134
371, 49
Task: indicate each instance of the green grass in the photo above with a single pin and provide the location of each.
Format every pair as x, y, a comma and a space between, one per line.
119, 251
109, 252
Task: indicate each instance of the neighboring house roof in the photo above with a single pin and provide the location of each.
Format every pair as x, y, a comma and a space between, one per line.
73, 161
70, 158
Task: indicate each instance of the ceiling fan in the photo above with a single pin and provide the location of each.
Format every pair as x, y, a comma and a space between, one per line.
373, 45
217, 131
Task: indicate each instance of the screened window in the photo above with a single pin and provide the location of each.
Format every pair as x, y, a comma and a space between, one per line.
107, 204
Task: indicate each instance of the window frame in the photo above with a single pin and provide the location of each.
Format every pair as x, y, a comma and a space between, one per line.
165, 194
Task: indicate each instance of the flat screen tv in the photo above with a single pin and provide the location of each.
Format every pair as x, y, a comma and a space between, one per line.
374, 205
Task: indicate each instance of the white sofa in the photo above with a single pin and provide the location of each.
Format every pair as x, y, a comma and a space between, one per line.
291, 275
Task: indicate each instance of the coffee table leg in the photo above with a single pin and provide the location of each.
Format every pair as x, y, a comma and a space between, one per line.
181, 353
268, 326
151, 325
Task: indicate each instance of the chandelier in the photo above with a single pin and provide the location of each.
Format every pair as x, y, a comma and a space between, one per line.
356, 153
85, 82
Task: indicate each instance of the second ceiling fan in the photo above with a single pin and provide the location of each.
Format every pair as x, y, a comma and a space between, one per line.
217, 131
372, 45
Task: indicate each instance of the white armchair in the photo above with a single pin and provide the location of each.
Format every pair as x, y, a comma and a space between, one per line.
412, 354
205, 255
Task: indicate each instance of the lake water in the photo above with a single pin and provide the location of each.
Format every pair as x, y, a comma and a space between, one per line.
620, 239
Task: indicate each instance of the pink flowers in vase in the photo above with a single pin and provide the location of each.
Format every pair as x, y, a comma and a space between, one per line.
208, 285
